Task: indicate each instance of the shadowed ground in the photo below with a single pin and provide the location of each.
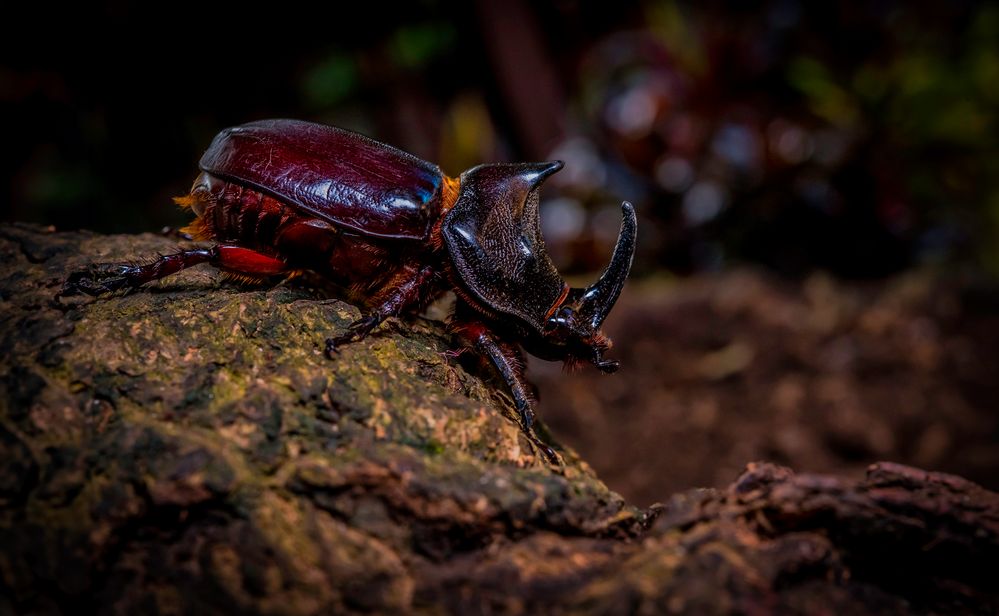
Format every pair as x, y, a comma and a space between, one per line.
820, 375
187, 448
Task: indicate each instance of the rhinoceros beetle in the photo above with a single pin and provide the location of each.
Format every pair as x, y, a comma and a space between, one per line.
277, 196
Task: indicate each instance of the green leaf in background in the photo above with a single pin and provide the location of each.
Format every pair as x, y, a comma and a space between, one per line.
330, 81
825, 97
413, 46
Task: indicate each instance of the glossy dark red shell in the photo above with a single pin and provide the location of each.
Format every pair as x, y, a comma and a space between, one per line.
334, 174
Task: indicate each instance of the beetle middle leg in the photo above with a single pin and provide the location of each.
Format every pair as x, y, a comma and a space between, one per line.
100, 278
410, 287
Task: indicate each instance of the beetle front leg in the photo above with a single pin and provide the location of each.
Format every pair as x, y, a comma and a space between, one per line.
410, 287
509, 361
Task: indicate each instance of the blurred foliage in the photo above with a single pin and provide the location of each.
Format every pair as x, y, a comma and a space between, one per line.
855, 137
415, 46
329, 81
937, 106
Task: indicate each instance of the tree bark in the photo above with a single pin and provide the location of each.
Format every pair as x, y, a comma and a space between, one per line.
187, 448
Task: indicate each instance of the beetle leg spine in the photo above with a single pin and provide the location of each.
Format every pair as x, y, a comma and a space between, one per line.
241, 279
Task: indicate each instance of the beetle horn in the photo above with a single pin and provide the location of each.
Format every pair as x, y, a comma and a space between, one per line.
598, 299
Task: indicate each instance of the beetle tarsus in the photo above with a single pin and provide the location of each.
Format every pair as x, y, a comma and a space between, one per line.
527, 427
526, 415
102, 278
549, 454
97, 279
358, 330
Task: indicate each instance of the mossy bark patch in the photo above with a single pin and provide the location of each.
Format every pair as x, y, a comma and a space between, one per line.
188, 448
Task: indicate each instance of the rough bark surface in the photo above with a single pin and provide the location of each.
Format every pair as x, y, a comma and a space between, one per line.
188, 449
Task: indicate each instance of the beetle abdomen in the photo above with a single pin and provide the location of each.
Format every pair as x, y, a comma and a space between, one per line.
333, 174
231, 213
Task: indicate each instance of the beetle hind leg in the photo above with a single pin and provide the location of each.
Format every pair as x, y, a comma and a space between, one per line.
96, 279
101, 278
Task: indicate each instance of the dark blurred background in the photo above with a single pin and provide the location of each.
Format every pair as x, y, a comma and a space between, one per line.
845, 153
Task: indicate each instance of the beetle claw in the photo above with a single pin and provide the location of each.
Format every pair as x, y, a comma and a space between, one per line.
608, 366
96, 279
547, 452
333, 344
356, 331
527, 427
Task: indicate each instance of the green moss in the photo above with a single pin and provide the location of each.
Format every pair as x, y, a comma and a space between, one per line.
217, 410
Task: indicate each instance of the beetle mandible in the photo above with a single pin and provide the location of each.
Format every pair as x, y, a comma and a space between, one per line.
276, 196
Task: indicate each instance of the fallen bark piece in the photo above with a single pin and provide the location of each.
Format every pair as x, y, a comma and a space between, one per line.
188, 449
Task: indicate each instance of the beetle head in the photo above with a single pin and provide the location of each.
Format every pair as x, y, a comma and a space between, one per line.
493, 236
